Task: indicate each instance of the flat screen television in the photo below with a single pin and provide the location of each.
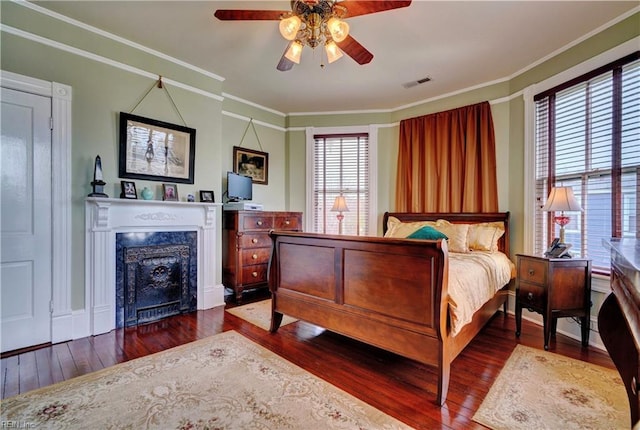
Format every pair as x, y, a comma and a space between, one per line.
239, 187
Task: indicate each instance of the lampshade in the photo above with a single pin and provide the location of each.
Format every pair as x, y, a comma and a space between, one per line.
333, 52
339, 29
294, 52
562, 199
340, 205
289, 27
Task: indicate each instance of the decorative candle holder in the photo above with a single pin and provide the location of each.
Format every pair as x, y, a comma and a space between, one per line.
97, 183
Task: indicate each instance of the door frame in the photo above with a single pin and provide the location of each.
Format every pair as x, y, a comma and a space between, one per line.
60, 94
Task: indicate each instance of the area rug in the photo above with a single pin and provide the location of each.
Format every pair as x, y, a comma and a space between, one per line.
542, 390
259, 314
221, 382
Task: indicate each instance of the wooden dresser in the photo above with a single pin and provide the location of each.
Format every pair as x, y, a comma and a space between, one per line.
246, 246
619, 318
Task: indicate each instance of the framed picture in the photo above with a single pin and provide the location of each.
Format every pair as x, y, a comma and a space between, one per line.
170, 192
251, 163
128, 190
206, 196
156, 150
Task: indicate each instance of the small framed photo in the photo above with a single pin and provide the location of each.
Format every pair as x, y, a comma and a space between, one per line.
128, 190
206, 196
170, 192
251, 163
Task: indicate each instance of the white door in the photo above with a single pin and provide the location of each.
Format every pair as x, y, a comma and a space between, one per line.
25, 211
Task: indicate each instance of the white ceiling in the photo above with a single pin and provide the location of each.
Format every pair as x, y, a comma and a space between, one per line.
457, 44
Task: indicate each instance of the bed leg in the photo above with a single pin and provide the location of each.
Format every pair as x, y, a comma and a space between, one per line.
276, 320
443, 382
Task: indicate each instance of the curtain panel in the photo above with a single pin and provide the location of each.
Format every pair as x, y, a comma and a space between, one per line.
447, 162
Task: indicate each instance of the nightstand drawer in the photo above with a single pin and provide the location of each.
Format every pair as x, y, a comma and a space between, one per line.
532, 270
531, 295
255, 256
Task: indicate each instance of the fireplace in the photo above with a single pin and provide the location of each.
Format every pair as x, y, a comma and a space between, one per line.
156, 276
157, 238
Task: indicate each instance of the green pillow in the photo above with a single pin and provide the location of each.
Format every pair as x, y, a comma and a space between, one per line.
427, 232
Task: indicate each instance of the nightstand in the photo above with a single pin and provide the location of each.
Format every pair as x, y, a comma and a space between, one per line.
555, 288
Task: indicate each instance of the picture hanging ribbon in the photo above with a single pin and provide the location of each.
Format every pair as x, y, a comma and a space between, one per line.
159, 84
254, 131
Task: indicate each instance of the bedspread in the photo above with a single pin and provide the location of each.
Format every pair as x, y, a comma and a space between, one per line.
474, 278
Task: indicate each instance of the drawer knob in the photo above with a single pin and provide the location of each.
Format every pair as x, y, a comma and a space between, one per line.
530, 296
254, 256
259, 222
254, 240
287, 222
254, 274
530, 272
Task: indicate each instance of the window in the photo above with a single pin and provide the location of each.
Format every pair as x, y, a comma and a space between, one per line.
341, 167
587, 136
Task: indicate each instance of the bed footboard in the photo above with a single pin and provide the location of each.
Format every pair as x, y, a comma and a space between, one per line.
381, 291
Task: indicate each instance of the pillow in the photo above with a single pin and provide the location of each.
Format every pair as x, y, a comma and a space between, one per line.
484, 236
427, 232
457, 234
397, 228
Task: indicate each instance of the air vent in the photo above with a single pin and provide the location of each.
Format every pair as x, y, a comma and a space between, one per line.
415, 83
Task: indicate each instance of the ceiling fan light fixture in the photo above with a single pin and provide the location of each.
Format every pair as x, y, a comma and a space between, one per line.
338, 28
333, 52
294, 52
289, 27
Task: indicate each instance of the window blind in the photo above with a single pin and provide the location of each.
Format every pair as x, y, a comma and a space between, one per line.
588, 137
341, 166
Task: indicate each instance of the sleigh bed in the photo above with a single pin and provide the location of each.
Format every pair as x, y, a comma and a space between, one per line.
399, 294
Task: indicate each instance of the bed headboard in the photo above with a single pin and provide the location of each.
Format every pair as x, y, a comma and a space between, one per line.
460, 218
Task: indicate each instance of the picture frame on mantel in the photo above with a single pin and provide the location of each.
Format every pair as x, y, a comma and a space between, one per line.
170, 192
251, 163
128, 190
156, 150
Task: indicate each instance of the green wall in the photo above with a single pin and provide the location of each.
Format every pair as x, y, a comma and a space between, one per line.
115, 82
102, 90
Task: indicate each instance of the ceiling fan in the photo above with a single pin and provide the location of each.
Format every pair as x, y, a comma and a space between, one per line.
316, 23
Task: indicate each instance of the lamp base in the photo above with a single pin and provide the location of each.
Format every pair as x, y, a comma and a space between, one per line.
561, 220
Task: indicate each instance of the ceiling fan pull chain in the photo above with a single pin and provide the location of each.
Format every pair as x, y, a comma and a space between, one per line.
159, 84
254, 132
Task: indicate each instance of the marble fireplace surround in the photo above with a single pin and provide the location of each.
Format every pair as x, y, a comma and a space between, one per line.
104, 217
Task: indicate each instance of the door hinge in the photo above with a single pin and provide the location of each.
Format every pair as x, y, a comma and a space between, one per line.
51, 306
51, 123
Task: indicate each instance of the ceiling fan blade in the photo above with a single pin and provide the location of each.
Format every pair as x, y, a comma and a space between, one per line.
355, 50
249, 15
356, 7
285, 64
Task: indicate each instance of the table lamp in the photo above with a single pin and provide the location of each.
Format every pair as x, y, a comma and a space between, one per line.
340, 205
561, 200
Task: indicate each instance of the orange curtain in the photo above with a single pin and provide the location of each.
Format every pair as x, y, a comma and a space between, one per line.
447, 162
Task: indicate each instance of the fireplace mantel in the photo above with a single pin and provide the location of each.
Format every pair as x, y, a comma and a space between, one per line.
104, 217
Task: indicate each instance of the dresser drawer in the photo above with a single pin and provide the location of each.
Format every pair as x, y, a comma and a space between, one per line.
531, 270
531, 295
255, 256
257, 222
254, 240
254, 274
286, 223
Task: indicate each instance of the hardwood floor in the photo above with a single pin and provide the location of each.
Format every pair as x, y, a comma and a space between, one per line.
400, 387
